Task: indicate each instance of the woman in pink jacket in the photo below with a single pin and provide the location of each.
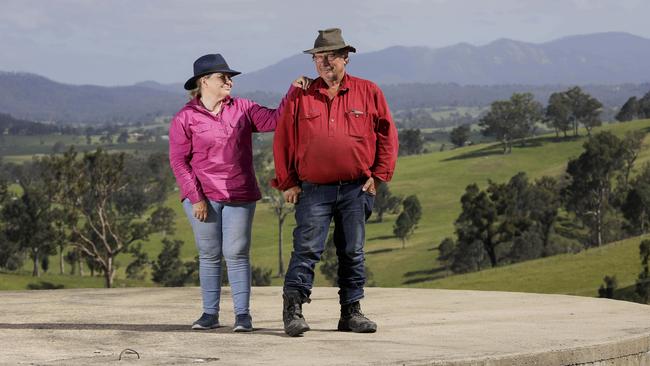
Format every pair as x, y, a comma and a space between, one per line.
210, 152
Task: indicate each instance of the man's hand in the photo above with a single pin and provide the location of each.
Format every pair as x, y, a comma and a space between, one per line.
370, 186
200, 210
302, 82
291, 194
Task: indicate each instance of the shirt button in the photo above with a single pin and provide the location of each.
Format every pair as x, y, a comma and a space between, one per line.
332, 120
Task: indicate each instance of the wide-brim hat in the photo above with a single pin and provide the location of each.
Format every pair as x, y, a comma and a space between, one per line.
209, 64
330, 40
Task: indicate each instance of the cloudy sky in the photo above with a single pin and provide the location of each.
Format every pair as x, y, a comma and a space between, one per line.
120, 42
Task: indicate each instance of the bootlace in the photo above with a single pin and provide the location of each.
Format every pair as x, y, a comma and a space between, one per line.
355, 310
295, 310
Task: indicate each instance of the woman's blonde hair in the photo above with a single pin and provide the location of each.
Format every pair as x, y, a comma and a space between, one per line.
196, 92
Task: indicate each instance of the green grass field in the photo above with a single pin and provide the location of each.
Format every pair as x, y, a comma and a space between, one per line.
23, 280
439, 179
573, 274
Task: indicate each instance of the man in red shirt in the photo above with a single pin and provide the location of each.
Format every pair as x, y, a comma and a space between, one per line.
333, 144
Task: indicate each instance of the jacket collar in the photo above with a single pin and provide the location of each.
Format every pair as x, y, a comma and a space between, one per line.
195, 103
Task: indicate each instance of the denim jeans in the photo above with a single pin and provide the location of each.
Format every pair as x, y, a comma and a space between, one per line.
227, 232
317, 206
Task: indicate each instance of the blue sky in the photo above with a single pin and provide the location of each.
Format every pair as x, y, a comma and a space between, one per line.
121, 42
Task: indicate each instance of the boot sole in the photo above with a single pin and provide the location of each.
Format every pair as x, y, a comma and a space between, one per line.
296, 331
342, 327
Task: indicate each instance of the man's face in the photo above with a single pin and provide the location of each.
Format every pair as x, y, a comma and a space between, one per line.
330, 65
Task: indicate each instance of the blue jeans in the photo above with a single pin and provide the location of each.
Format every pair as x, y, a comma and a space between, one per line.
317, 206
227, 232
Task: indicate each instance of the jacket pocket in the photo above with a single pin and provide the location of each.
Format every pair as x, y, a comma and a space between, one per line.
204, 136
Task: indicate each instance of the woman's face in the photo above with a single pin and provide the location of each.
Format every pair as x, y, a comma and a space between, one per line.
217, 85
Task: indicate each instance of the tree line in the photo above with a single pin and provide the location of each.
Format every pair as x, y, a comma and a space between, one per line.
635, 109
518, 118
90, 209
597, 200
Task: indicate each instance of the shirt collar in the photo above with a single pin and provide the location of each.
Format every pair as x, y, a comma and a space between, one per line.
196, 103
322, 87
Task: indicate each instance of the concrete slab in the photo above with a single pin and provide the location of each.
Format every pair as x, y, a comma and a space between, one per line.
416, 327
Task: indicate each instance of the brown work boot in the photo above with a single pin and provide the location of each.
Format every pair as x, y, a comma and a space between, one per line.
294, 321
353, 320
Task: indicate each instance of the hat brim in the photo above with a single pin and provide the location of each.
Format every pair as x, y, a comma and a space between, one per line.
191, 82
330, 48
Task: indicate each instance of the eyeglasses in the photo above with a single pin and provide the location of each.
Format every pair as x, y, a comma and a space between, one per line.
329, 56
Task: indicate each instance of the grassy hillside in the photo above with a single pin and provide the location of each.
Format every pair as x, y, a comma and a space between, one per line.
439, 179
573, 274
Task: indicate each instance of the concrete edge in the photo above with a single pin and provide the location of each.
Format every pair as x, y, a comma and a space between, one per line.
629, 348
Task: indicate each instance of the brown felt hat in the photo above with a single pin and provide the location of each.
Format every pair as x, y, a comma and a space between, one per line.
329, 40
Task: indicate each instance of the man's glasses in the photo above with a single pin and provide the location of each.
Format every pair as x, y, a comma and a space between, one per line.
329, 56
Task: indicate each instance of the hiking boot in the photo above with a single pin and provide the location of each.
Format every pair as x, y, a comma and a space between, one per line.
353, 320
243, 323
294, 322
206, 321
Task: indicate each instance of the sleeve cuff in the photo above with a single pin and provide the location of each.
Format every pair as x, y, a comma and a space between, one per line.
384, 177
283, 186
195, 197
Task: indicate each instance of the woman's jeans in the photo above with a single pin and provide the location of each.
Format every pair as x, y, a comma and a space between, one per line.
227, 232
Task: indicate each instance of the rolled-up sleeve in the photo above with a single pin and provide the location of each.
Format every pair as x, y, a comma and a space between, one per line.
180, 154
387, 141
266, 119
284, 144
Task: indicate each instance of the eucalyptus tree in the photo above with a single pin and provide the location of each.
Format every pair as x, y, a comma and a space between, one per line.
111, 202
509, 120
592, 175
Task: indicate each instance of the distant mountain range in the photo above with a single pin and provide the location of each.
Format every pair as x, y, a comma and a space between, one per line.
36, 98
601, 58
614, 64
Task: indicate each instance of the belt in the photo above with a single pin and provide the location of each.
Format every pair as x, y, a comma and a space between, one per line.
341, 182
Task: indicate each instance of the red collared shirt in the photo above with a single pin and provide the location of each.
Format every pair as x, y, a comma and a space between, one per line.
349, 137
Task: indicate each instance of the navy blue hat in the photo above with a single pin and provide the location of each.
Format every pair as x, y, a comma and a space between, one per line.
208, 64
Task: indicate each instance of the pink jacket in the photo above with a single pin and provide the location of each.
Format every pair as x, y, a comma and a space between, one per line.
212, 157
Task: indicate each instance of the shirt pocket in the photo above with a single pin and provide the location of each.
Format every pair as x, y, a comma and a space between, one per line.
308, 125
358, 122
204, 136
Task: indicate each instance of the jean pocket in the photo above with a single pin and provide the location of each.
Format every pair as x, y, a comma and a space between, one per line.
369, 204
306, 188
